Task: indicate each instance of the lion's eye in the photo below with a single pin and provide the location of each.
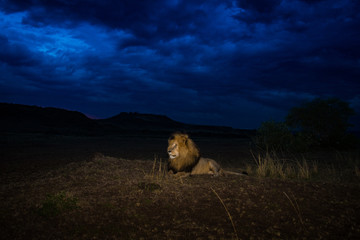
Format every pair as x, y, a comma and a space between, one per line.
175, 145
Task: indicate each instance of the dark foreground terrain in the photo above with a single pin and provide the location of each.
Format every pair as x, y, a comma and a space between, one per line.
55, 187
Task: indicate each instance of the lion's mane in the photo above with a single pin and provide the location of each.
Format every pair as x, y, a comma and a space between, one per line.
189, 153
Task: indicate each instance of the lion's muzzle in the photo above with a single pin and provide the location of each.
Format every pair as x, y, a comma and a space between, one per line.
172, 151
171, 155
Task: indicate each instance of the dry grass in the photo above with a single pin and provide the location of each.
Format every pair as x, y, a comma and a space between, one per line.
350, 159
328, 166
158, 171
271, 165
304, 171
296, 207
357, 171
227, 211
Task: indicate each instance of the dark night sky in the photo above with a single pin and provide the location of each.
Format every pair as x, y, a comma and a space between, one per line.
232, 63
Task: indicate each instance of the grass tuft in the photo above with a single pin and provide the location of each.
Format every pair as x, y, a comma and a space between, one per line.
158, 171
149, 186
350, 159
55, 204
304, 171
271, 165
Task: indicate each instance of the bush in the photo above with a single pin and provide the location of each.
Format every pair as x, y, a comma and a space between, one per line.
315, 124
274, 136
323, 122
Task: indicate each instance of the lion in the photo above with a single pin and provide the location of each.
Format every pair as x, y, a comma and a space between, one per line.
185, 159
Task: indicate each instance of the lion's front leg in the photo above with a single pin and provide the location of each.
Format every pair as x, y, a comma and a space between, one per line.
178, 174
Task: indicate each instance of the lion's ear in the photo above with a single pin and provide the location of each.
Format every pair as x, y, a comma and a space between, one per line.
172, 137
184, 139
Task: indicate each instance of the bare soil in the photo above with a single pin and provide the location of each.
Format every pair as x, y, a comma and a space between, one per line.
61, 189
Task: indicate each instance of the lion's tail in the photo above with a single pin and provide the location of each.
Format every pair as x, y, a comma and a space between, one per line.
235, 173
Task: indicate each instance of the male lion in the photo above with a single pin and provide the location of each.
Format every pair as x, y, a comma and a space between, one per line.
184, 158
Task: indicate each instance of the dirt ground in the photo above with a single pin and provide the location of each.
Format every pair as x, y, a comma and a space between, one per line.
61, 189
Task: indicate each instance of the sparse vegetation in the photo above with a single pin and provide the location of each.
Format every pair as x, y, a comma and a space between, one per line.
349, 159
316, 126
149, 186
122, 202
108, 197
339, 167
271, 165
158, 171
58, 203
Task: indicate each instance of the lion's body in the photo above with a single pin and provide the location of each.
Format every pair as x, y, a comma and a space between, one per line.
184, 157
207, 166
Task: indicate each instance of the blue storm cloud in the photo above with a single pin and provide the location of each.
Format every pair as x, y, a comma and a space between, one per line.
234, 63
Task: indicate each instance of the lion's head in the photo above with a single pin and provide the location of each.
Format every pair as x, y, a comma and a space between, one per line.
183, 153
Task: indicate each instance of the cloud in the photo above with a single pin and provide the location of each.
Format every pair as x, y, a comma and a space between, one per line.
261, 6
197, 57
15, 54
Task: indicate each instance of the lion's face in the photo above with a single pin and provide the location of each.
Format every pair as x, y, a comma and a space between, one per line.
177, 145
173, 149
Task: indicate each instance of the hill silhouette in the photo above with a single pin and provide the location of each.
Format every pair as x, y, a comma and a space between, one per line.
141, 121
17, 118
34, 119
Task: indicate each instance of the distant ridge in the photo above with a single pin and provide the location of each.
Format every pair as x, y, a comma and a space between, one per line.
17, 118
142, 121
24, 118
